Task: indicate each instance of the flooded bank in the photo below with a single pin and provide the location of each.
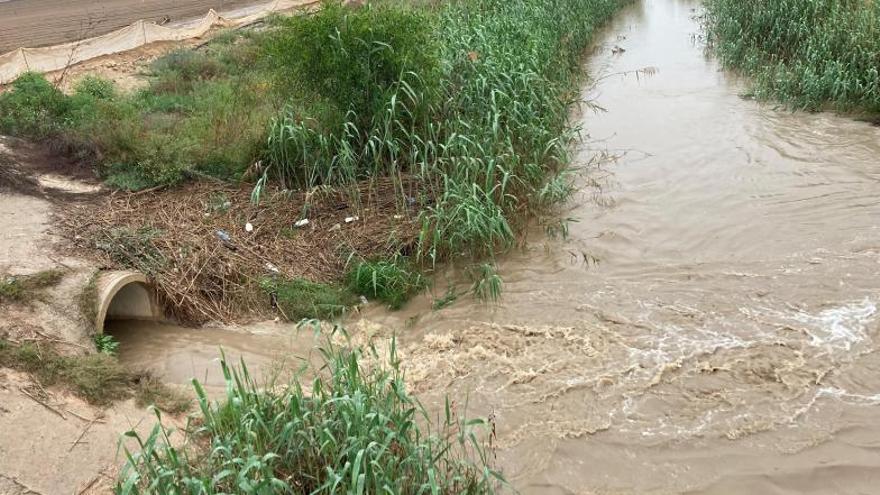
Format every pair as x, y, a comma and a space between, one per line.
708, 326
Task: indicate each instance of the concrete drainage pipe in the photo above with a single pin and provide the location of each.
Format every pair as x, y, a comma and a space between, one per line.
125, 295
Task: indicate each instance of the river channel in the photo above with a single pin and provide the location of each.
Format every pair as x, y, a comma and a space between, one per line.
710, 323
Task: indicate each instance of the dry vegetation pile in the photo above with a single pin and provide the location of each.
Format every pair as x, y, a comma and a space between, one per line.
194, 242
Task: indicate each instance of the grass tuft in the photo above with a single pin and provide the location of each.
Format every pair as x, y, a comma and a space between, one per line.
487, 284
392, 282
299, 299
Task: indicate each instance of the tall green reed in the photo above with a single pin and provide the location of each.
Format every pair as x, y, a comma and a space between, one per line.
486, 131
812, 54
354, 430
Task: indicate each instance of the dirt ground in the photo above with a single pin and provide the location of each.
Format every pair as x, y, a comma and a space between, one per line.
59, 443
33, 23
50, 441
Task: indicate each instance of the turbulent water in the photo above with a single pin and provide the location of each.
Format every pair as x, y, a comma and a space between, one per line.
708, 326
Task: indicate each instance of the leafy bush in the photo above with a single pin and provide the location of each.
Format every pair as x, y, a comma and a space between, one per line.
392, 282
95, 87
32, 107
354, 57
356, 430
809, 53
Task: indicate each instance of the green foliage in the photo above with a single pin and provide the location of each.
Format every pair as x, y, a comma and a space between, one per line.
32, 107
26, 287
390, 281
299, 299
487, 284
106, 344
489, 134
811, 54
95, 87
180, 70
356, 430
355, 58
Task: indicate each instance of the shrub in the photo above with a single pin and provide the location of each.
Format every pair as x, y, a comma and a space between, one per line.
356, 430
106, 344
354, 57
392, 282
95, 87
32, 107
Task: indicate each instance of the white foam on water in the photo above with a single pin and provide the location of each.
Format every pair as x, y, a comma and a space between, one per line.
838, 328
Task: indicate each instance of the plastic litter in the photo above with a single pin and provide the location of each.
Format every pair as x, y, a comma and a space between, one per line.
249, 227
225, 239
351, 219
301, 223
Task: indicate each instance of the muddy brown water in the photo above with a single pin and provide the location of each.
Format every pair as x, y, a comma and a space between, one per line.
710, 323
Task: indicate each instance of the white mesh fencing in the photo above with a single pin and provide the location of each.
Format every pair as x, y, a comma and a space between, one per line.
137, 34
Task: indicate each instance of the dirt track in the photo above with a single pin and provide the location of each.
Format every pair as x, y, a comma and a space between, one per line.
32, 23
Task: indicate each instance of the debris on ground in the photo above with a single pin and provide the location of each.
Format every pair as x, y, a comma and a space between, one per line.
166, 235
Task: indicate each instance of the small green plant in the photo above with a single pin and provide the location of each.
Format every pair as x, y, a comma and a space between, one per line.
390, 281
487, 285
95, 87
106, 343
356, 430
32, 107
299, 299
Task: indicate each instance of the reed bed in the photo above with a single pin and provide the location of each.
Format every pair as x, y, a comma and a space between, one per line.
811, 54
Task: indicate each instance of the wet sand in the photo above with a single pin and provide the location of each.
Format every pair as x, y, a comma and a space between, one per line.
34, 23
710, 324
